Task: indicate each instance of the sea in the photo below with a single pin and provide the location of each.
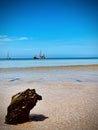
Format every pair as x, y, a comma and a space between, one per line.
27, 63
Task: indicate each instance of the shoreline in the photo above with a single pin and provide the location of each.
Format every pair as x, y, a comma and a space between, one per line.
51, 67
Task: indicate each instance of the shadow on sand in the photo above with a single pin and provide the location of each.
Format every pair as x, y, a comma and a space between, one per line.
37, 117
78, 80
33, 117
15, 79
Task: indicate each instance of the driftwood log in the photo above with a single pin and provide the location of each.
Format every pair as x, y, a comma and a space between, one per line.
20, 106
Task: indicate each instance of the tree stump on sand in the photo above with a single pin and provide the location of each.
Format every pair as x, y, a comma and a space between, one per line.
20, 106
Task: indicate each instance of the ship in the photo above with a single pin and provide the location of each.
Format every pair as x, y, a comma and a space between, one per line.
35, 57
8, 56
41, 56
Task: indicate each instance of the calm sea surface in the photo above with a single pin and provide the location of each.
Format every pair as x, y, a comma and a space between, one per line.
46, 62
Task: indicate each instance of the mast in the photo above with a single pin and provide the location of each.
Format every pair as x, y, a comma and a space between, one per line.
40, 55
8, 57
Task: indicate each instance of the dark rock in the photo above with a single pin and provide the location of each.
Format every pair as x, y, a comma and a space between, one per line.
20, 106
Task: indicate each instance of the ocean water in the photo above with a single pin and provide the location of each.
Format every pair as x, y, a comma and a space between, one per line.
24, 63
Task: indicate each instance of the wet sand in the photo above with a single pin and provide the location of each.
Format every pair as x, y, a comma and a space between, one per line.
70, 97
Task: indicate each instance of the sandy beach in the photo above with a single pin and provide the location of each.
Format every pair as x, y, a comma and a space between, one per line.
70, 97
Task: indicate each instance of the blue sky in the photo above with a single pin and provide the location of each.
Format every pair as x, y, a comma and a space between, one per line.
59, 28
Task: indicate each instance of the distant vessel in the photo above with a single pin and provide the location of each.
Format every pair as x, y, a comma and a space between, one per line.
8, 56
35, 57
41, 56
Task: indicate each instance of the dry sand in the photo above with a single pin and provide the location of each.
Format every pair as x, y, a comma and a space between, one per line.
70, 97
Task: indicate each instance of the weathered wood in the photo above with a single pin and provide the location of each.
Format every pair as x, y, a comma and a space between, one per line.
21, 104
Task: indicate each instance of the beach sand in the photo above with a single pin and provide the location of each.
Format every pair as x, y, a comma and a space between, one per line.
70, 97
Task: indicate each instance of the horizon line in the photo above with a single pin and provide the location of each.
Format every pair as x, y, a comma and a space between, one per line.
20, 58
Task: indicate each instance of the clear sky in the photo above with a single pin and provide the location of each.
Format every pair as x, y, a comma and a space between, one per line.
59, 28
